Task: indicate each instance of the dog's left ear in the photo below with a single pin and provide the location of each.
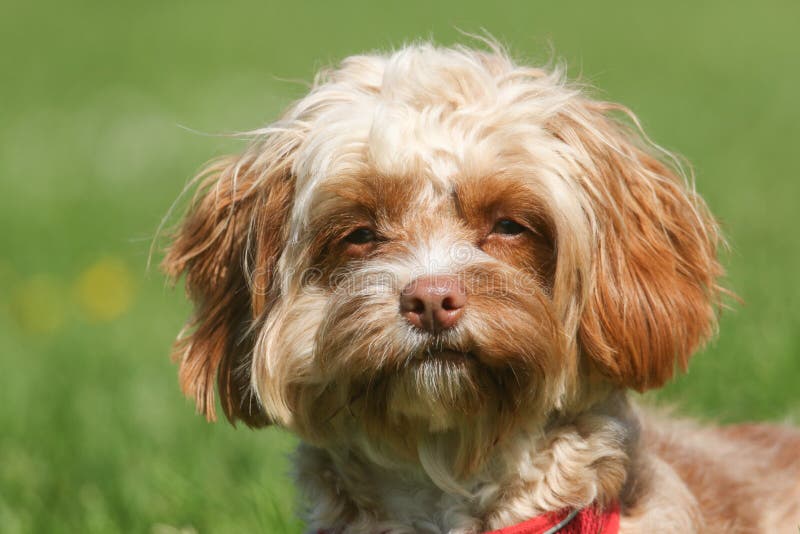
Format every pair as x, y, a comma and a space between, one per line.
652, 290
228, 246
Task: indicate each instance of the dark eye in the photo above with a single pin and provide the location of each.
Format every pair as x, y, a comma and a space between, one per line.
360, 236
507, 227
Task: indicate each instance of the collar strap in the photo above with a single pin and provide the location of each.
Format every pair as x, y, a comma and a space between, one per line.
591, 520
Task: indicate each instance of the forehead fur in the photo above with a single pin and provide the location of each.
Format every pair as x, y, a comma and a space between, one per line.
425, 112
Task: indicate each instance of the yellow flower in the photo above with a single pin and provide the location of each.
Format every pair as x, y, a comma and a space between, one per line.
105, 289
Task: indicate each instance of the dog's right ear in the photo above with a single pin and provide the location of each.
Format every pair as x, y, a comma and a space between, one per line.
228, 246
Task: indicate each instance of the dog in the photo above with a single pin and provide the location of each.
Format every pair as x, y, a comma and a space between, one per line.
444, 271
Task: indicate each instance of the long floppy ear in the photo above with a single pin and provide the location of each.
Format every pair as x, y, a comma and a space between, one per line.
652, 293
228, 246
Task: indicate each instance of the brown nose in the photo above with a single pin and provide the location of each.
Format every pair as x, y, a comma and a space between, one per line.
433, 303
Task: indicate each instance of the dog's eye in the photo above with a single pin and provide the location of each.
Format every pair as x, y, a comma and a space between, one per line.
360, 242
360, 236
507, 227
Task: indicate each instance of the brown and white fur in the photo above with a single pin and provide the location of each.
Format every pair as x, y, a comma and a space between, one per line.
587, 266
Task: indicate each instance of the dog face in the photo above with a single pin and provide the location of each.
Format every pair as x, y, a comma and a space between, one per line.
438, 241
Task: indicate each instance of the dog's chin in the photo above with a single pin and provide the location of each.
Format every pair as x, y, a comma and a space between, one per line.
446, 388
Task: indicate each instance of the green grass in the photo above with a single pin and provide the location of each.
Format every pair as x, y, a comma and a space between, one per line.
99, 109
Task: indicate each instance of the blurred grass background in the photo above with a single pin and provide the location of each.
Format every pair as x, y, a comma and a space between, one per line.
100, 105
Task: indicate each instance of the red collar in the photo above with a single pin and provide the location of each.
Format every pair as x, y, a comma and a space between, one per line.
593, 520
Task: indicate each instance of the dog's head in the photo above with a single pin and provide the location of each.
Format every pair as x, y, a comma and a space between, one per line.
434, 241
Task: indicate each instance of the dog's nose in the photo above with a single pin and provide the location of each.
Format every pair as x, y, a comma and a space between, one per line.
433, 303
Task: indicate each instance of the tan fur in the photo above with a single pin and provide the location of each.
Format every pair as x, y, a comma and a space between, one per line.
610, 283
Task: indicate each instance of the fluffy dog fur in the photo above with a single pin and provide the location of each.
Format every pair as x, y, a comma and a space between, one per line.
608, 283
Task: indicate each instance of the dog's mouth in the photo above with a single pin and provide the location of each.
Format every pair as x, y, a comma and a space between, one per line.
444, 355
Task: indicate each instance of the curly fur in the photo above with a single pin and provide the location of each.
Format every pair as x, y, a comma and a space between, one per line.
612, 286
